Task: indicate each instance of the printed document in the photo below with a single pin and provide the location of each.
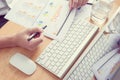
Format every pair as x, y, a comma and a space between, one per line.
38, 13
104, 67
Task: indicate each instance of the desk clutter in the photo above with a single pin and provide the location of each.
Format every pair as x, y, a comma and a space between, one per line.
75, 47
38, 13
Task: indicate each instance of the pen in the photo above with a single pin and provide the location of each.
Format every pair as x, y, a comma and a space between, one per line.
90, 3
87, 4
35, 34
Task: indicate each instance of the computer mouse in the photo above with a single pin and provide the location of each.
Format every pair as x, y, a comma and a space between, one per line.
23, 63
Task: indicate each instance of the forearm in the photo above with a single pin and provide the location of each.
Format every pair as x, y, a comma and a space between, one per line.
7, 41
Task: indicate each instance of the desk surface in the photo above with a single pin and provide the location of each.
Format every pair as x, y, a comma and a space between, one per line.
8, 72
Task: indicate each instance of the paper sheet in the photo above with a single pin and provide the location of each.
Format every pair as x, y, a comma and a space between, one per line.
25, 12
11, 3
83, 12
38, 13
102, 69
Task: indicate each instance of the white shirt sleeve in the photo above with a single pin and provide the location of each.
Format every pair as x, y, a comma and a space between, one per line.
3, 7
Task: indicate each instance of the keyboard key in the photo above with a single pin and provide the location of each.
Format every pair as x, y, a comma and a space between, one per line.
96, 50
62, 54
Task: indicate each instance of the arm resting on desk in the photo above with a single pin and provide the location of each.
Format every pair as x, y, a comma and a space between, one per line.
7, 41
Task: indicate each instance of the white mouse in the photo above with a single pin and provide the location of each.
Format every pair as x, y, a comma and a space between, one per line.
23, 63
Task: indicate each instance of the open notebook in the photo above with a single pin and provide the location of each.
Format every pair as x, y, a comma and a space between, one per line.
39, 13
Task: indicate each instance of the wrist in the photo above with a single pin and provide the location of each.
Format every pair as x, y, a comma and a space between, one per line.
13, 40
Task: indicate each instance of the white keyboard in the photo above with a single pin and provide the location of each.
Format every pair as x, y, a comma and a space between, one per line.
59, 56
82, 69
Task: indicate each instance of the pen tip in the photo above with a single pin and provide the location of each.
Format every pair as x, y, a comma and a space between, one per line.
44, 27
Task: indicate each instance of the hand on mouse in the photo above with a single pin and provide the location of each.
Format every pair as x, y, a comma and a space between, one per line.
21, 38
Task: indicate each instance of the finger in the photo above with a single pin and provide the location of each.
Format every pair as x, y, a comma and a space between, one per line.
84, 2
70, 4
79, 3
37, 41
94, 78
33, 30
75, 3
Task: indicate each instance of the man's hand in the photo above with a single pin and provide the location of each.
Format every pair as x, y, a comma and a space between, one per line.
77, 3
21, 38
